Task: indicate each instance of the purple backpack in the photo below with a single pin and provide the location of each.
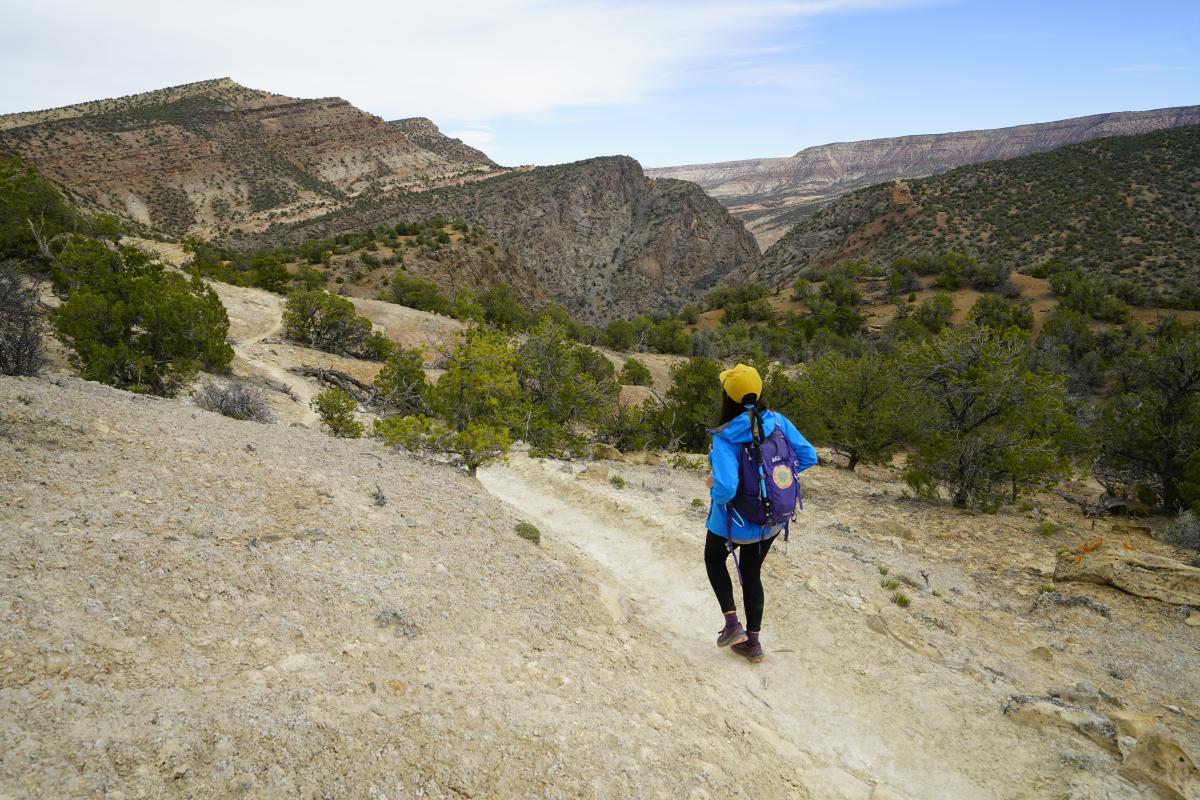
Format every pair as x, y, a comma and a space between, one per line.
768, 487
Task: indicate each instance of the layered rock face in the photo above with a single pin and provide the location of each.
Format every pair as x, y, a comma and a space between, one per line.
599, 236
253, 168
423, 132
207, 156
1121, 206
772, 194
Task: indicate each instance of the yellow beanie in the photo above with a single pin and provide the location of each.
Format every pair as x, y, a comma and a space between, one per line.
740, 381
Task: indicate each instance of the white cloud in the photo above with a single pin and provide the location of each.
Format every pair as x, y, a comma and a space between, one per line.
461, 59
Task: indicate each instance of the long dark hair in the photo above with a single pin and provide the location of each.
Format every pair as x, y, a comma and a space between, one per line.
730, 408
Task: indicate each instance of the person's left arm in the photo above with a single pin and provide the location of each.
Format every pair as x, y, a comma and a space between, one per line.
723, 459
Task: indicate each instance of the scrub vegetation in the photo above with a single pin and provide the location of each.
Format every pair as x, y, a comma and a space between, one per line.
987, 406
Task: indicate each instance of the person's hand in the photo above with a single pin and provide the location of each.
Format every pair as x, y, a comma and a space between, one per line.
709, 481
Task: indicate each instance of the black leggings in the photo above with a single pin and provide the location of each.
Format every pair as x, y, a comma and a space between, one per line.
750, 558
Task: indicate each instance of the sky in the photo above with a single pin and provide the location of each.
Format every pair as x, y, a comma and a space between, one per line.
665, 81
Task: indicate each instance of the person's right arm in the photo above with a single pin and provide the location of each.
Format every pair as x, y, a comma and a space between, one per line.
806, 454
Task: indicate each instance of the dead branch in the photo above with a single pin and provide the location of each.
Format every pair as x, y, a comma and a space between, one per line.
362, 392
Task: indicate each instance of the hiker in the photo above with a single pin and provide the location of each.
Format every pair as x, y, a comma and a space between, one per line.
747, 437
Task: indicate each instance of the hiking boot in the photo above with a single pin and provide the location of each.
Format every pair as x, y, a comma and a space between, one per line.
751, 651
731, 635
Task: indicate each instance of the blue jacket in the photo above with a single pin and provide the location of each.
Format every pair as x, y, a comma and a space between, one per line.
723, 460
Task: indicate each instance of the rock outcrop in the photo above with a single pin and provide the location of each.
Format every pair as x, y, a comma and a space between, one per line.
210, 155
600, 237
1132, 571
1041, 712
422, 131
1148, 751
1160, 761
772, 194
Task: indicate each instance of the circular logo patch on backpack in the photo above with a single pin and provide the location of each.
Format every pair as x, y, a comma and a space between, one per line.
782, 476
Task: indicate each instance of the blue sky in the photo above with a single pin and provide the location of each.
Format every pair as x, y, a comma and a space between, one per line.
668, 82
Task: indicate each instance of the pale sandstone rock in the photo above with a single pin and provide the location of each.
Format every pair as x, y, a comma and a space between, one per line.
1052, 712
607, 451
1135, 572
1160, 760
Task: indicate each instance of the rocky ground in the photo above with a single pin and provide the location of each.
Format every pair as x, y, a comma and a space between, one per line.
987, 685
196, 607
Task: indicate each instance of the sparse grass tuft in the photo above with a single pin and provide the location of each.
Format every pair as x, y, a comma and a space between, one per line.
683, 461
900, 599
1184, 531
884, 570
1046, 588
617, 481
890, 584
1050, 528
697, 502
528, 531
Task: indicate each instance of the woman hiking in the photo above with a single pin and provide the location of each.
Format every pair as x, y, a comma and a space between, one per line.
755, 453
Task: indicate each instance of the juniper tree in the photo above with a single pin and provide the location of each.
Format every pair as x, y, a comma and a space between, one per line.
401, 383
327, 322
1154, 423
858, 406
131, 323
635, 373
564, 385
691, 403
988, 421
994, 311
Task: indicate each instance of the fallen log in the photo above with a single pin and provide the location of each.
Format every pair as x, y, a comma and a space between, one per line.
361, 391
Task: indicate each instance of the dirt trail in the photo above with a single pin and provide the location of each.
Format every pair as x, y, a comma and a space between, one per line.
861, 709
256, 316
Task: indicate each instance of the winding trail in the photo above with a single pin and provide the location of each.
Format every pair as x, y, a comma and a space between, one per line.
255, 316
850, 695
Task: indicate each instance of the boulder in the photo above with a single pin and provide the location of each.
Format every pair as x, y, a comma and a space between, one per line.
643, 457
1040, 712
1160, 761
607, 451
1133, 724
1148, 751
1132, 571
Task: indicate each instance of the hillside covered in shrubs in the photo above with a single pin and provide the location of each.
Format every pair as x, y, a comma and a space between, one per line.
985, 408
1124, 210
127, 320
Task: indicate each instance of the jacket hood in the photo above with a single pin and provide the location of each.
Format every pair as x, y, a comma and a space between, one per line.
738, 429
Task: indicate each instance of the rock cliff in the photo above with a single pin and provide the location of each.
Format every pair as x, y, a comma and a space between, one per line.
600, 237
207, 156
772, 194
422, 131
